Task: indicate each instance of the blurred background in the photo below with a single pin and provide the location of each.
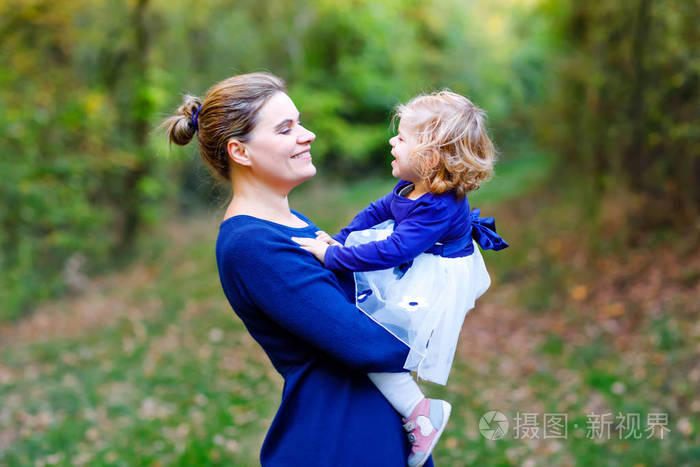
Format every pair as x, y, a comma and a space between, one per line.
117, 346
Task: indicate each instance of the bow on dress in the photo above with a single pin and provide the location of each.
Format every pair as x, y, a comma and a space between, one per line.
484, 232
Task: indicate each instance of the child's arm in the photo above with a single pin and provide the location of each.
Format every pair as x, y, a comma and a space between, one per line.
376, 213
411, 237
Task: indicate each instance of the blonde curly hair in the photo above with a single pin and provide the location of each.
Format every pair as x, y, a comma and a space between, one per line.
454, 151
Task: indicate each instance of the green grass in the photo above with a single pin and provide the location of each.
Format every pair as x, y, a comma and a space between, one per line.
169, 376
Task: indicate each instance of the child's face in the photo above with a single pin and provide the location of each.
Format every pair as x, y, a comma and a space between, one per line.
402, 146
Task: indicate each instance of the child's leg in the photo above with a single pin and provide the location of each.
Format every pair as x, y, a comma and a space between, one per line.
424, 419
399, 389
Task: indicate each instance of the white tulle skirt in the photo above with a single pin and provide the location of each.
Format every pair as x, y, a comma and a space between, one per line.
423, 307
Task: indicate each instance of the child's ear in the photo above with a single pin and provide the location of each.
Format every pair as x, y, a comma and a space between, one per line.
237, 152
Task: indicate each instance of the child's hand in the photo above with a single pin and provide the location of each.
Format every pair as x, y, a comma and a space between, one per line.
313, 245
324, 237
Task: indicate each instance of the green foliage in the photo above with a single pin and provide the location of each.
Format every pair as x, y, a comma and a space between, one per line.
609, 88
84, 84
76, 164
625, 113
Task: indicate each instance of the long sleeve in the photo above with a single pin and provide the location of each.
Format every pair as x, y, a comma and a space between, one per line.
425, 225
377, 212
289, 286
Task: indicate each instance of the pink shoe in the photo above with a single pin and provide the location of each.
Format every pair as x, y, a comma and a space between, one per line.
424, 426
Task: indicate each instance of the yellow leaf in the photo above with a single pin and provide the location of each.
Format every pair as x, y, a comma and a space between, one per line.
579, 292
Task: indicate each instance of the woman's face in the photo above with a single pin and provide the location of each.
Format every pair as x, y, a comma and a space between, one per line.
279, 147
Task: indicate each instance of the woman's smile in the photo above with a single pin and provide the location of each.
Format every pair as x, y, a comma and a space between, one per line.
303, 155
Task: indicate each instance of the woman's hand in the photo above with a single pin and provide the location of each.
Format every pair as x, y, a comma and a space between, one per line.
313, 245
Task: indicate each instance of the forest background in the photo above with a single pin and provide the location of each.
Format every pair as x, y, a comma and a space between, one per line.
106, 233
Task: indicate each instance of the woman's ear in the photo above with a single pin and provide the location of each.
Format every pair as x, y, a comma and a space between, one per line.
237, 152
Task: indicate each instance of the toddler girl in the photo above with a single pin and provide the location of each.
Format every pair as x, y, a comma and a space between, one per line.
417, 267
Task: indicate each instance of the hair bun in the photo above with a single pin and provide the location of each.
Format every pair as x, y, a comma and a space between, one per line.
180, 127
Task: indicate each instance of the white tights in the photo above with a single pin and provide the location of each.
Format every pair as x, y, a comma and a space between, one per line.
399, 389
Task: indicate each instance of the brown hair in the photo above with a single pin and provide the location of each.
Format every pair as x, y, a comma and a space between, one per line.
229, 110
454, 151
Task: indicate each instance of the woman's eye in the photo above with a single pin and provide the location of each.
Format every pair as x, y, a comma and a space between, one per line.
289, 128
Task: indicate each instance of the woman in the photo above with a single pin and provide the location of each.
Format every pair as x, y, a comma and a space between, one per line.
250, 135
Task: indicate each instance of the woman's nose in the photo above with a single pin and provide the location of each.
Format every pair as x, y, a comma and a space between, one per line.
307, 136
392, 140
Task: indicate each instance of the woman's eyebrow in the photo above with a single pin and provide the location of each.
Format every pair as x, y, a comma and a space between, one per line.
285, 123
282, 124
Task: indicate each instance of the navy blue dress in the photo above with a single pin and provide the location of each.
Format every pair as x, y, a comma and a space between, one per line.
330, 413
419, 225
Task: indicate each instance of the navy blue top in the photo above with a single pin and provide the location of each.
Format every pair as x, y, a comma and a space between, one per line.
418, 225
330, 413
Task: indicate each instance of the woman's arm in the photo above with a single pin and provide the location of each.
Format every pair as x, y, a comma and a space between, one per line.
303, 297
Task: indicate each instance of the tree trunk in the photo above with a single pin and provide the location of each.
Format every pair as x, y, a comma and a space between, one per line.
139, 130
636, 157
